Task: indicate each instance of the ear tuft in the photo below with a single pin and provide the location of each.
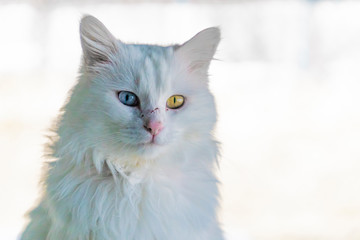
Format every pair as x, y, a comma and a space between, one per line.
97, 42
200, 49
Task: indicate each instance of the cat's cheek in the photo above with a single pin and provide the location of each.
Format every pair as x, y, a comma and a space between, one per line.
160, 139
165, 137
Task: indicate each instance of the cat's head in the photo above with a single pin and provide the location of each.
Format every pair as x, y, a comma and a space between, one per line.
143, 99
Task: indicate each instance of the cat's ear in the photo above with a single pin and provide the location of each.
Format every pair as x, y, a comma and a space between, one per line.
97, 42
199, 50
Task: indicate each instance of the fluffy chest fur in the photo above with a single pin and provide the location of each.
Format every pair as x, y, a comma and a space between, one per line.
173, 199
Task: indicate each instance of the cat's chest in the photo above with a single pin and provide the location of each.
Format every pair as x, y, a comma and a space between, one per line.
166, 189
161, 185
168, 197
179, 188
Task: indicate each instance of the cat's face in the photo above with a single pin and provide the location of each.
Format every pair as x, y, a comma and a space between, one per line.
146, 99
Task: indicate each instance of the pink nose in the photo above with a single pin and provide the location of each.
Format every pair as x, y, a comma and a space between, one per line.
154, 127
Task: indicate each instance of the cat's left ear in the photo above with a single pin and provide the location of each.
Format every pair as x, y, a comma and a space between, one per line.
199, 50
97, 42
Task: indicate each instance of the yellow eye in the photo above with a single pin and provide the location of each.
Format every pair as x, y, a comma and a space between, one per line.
175, 101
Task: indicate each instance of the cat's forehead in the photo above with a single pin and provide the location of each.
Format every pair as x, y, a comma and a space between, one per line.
151, 66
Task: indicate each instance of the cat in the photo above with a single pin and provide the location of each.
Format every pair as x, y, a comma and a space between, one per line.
132, 155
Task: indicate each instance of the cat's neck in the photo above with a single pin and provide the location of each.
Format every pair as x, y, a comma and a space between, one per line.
133, 167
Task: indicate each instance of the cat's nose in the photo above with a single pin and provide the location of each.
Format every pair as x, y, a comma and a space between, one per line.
154, 127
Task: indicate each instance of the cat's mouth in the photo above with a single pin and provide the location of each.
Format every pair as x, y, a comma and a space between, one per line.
153, 141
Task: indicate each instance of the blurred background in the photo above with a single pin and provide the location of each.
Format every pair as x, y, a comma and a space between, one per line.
287, 87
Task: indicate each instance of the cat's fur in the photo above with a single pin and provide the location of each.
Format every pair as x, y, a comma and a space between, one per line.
106, 181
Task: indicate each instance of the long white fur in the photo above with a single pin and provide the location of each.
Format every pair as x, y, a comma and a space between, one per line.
102, 181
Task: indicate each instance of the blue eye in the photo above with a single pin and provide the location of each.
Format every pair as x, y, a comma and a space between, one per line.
128, 98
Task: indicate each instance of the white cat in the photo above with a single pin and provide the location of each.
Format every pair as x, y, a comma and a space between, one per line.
133, 156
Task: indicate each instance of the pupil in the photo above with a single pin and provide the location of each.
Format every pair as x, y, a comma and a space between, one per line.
127, 97
174, 99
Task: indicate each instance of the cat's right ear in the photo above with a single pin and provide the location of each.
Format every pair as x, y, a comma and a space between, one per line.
198, 52
98, 44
